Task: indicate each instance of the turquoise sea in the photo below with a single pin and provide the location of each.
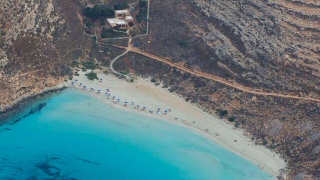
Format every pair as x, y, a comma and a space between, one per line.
76, 136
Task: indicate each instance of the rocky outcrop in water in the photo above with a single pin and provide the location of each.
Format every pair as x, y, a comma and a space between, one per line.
34, 110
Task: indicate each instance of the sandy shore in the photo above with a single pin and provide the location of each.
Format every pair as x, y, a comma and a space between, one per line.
144, 93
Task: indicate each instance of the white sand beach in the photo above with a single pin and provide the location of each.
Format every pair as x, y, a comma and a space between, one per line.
145, 94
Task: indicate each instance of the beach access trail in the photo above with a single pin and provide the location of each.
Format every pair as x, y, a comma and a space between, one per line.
214, 78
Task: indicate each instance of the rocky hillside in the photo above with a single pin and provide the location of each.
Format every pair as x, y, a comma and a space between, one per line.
273, 46
38, 40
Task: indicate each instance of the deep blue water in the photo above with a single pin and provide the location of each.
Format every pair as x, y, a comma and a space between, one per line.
76, 136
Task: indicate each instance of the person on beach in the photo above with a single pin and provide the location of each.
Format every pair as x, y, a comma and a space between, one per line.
165, 112
138, 106
113, 97
118, 100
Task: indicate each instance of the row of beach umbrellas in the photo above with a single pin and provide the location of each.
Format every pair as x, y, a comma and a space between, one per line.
114, 97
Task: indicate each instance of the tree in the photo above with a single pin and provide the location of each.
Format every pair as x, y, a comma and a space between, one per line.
143, 3
98, 11
106, 12
223, 112
121, 6
87, 11
131, 24
95, 12
232, 119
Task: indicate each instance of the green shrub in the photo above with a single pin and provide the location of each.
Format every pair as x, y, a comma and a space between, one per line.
183, 43
124, 72
153, 80
143, 3
89, 24
223, 112
142, 15
89, 65
121, 6
92, 76
98, 11
232, 119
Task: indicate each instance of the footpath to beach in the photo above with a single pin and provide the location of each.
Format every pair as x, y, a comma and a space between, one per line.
174, 108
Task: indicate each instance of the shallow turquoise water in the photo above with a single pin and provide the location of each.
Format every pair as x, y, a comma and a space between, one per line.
79, 137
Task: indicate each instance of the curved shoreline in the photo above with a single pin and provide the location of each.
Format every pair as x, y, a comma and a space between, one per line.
19, 103
147, 94
190, 116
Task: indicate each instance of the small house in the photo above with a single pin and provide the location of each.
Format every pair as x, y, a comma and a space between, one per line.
116, 22
121, 14
129, 19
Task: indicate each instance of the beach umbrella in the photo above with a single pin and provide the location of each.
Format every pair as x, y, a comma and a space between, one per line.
72, 83
76, 80
126, 102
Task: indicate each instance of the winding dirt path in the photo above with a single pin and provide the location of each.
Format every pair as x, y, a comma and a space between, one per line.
114, 60
214, 78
